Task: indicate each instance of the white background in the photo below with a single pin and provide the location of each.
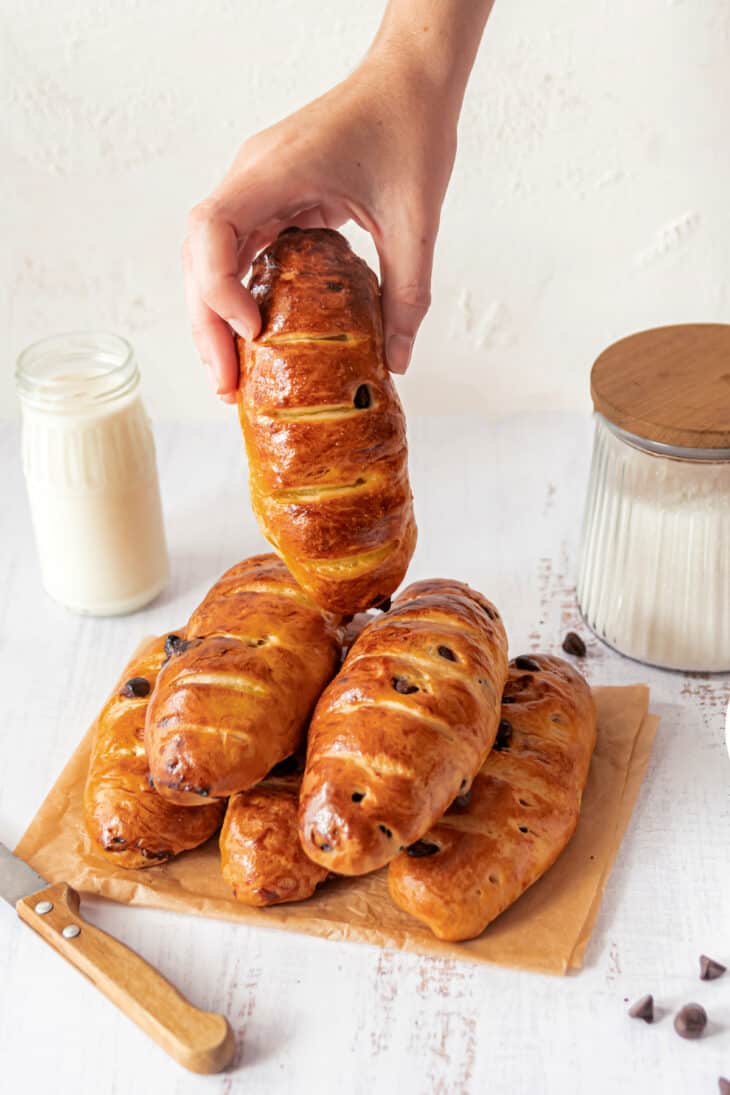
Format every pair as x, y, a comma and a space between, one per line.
589, 197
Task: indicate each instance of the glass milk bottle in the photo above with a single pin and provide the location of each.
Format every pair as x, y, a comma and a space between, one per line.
91, 474
654, 578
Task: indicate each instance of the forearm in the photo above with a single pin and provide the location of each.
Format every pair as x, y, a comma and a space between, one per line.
437, 40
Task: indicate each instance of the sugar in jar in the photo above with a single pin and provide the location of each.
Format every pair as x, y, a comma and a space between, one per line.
91, 473
654, 578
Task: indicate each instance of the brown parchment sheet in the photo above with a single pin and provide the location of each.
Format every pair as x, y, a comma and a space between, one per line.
547, 930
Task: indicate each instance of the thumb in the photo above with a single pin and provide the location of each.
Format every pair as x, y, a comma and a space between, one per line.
406, 259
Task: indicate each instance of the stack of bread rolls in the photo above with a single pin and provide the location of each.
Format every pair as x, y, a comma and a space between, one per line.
329, 743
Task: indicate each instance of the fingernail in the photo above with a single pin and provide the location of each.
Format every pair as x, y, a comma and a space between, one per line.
398, 352
241, 330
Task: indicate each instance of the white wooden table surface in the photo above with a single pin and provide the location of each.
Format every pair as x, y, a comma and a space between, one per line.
499, 505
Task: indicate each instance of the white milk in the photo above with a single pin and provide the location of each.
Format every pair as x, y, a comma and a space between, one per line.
654, 579
91, 474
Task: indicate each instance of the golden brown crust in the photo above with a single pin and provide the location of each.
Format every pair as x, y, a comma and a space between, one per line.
236, 698
125, 817
323, 426
522, 811
261, 857
404, 727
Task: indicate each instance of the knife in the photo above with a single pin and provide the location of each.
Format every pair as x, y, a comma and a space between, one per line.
201, 1041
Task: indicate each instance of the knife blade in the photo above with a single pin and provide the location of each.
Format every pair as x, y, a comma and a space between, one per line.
201, 1041
17, 879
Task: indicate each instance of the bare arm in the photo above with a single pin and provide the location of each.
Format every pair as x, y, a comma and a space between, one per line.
377, 149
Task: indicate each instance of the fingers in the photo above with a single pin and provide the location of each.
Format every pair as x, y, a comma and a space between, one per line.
406, 260
212, 337
214, 255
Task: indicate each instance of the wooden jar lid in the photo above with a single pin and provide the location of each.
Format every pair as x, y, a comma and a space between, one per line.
670, 384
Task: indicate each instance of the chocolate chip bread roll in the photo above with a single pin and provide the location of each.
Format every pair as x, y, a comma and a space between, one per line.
323, 426
261, 857
521, 812
404, 727
125, 817
235, 698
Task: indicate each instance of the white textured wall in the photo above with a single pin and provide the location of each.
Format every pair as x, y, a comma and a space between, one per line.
590, 195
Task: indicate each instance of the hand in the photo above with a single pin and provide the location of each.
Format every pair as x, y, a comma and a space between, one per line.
377, 149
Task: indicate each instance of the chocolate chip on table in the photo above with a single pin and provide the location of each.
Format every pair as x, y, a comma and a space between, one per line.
422, 848
523, 662
710, 970
573, 644
447, 652
643, 1009
504, 735
404, 687
690, 1021
362, 397
136, 687
174, 645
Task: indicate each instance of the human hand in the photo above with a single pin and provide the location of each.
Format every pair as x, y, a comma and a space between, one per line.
377, 149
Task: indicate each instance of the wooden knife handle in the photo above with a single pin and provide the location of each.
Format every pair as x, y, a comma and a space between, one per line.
199, 1040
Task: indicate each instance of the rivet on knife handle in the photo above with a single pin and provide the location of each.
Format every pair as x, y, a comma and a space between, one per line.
201, 1041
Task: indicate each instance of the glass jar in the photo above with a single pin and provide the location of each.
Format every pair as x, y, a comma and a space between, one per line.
654, 576
91, 473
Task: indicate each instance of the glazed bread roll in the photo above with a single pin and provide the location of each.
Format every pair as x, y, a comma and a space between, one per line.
261, 857
522, 810
235, 698
323, 426
404, 728
125, 817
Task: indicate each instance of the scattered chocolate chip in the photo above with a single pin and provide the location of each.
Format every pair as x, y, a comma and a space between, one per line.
573, 644
422, 848
404, 687
710, 970
175, 645
504, 735
384, 605
690, 1021
643, 1009
362, 397
358, 796
723, 1085
523, 829
447, 652
334, 286
384, 829
136, 687
523, 662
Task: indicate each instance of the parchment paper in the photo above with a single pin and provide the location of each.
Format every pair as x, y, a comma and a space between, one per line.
547, 930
